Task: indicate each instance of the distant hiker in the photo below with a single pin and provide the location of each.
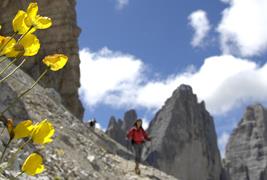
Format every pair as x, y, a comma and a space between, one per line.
92, 123
138, 136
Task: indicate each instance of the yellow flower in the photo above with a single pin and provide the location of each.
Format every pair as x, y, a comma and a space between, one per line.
23, 129
28, 46
6, 47
35, 20
19, 24
33, 165
23, 21
56, 61
43, 132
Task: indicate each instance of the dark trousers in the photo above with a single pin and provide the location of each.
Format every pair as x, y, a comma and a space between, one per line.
138, 152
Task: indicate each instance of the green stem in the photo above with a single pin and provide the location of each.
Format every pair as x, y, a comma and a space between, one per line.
4, 59
25, 92
2, 156
4, 121
19, 174
7, 66
2, 131
12, 37
13, 71
13, 158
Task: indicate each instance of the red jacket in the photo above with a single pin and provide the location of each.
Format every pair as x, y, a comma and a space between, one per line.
137, 135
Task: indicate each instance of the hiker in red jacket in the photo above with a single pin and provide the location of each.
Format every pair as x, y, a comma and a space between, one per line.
138, 136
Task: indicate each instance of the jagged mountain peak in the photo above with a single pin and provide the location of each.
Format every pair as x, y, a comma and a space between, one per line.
184, 93
129, 118
245, 155
186, 141
112, 122
117, 129
253, 111
183, 88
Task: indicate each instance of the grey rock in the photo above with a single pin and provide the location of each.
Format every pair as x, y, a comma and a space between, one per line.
77, 152
129, 118
53, 94
117, 130
184, 140
246, 151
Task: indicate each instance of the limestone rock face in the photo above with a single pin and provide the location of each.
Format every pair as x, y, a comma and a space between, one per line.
246, 151
184, 140
117, 130
77, 152
62, 37
129, 119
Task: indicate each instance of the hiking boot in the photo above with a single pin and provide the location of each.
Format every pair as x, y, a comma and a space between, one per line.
137, 171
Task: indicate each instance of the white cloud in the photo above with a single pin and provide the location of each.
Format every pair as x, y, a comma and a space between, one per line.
98, 126
145, 123
118, 80
243, 27
226, 1
107, 77
224, 82
200, 23
122, 3
222, 141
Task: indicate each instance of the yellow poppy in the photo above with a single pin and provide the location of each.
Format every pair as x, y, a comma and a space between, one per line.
36, 20
28, 46
56, 61
33, 164
17, 51
23, 129
43, 132
23, 21
6, 47
19, 24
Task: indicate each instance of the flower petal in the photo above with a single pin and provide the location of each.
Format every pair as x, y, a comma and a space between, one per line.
43, 132
19, 23
31, 45
43, 22
7, 44
23, 129
33, 164
56, 61
32, 11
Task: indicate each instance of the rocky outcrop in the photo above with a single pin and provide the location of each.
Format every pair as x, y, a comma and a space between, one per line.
129, 119
62, 37
185, 142
246, 151
117, 130
77, 152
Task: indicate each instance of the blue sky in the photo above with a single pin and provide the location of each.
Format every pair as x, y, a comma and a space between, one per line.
134, 53
157, 32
